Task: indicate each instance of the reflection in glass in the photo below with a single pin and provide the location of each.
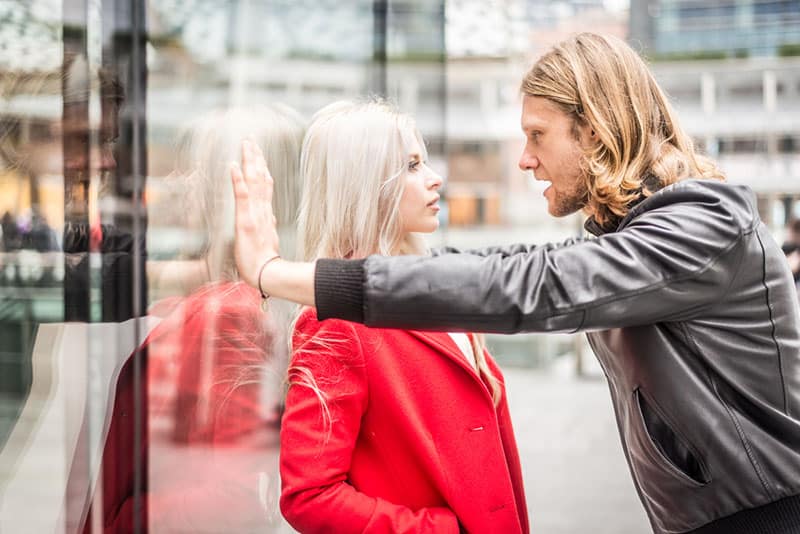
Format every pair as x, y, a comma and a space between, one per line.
213, 364
125, 376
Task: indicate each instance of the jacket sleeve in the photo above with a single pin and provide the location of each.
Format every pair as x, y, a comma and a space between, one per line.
667, 264
327, 397
505, 251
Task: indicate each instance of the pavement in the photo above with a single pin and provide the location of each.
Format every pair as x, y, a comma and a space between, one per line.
576, 477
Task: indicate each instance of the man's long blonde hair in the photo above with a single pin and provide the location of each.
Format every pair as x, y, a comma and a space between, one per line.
353, 163
601, 82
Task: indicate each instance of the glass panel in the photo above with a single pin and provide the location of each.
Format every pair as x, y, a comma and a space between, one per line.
141, 385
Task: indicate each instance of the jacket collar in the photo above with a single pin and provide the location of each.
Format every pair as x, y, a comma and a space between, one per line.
650, 182
591, 226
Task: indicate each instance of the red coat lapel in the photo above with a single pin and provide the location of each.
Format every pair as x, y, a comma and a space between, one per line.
444, 344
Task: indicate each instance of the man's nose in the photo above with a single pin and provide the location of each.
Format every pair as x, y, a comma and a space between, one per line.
528, 162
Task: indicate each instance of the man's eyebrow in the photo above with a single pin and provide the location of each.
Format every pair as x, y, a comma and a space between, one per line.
529, 126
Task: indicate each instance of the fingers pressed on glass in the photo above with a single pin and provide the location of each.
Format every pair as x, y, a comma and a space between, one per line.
239, 185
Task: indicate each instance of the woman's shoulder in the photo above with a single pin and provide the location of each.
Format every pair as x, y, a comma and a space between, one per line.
308, 323
332, 342
309, 326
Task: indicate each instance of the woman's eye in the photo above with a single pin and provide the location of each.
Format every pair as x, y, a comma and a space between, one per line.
413, 165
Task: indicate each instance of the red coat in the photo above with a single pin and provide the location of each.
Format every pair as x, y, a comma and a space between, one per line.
413, 442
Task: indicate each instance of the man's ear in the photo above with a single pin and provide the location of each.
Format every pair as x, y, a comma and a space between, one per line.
588, 135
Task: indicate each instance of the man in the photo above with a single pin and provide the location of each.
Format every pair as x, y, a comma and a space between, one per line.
687, 300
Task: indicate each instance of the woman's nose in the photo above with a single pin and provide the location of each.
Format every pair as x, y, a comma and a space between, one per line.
434, 180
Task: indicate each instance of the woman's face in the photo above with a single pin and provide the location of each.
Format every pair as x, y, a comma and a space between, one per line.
419, 205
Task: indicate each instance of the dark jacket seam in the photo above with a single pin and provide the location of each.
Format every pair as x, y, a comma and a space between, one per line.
750, 454
735, 420
772, 323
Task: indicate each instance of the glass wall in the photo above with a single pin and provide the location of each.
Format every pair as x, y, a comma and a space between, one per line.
140, 384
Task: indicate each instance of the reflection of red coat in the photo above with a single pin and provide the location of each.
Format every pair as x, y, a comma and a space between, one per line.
413, 442
201, 398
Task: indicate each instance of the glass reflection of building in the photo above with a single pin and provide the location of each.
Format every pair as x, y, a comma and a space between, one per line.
733, 72
719, 28
175, 62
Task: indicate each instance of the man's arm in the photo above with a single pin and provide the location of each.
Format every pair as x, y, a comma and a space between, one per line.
668, 264
505, 250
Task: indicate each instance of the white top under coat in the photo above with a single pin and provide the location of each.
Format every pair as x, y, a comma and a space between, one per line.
463, 343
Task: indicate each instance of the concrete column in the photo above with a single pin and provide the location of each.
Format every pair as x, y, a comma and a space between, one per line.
409, 95
708, 93
770, 87
489, 94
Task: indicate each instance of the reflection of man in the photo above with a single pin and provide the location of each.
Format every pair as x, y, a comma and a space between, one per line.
87, 153
687, 300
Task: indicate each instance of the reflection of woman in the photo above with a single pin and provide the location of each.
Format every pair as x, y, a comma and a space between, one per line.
212, 365
387, 430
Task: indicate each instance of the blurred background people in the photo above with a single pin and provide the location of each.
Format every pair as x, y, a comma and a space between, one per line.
791, 248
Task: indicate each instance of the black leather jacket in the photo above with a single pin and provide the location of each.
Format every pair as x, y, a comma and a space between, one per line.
691, 309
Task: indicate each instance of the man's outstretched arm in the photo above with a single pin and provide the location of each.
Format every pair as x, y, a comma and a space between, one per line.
662, 267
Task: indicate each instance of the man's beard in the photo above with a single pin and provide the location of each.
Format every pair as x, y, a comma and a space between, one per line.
569, 202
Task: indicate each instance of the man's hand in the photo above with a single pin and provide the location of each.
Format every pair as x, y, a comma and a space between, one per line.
256, 227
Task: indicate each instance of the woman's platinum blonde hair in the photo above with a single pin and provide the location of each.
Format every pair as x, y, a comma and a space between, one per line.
353, 163
601, 82
205, 151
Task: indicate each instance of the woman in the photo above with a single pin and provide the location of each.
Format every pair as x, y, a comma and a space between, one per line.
387, 430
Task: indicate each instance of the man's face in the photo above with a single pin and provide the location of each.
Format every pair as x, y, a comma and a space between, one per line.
101, 148
554, 154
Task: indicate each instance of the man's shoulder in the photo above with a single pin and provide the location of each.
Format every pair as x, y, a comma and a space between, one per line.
711, 206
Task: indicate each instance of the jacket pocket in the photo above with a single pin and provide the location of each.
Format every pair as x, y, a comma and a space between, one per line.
668, 448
